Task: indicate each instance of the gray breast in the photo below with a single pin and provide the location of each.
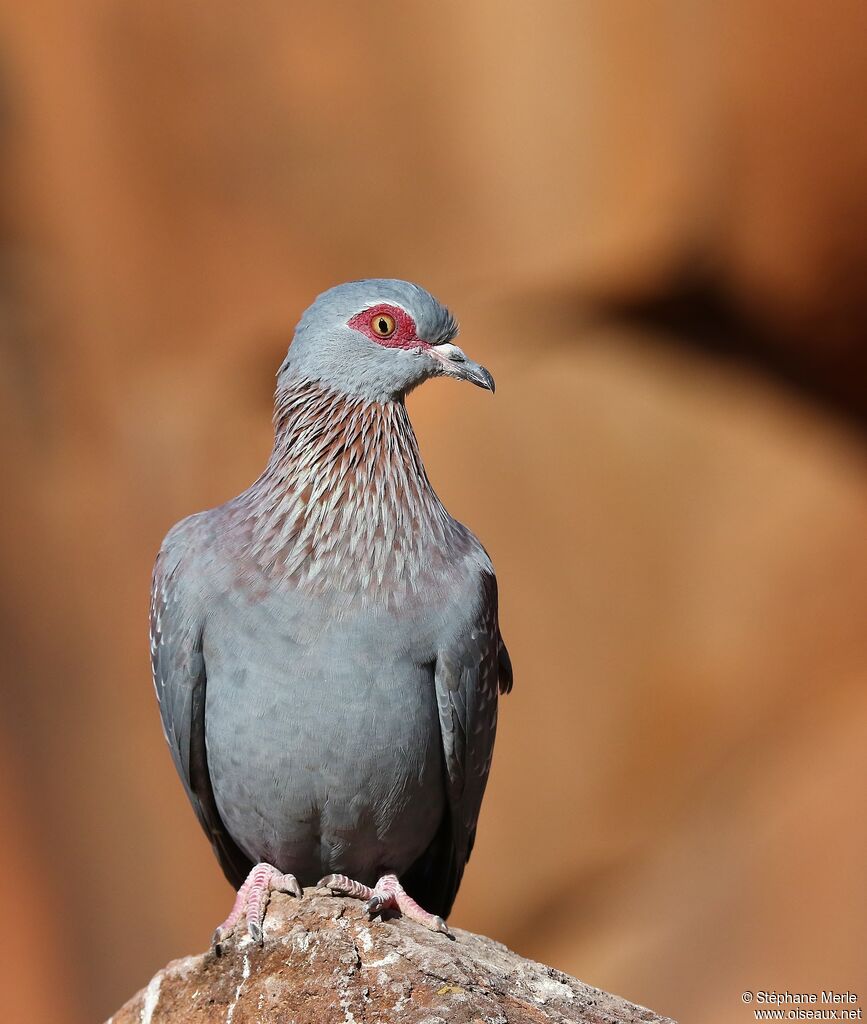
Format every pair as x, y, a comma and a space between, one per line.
322, 735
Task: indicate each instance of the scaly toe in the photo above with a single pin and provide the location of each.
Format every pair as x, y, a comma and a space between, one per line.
341, 885
251, 903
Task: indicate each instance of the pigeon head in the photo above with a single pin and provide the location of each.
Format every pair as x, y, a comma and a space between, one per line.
377, 339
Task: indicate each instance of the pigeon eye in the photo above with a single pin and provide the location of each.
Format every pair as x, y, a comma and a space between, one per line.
382, 325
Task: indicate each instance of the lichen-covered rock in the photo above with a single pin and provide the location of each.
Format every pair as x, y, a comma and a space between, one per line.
323, 961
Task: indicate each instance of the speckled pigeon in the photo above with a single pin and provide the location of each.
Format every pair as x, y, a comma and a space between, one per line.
326, 651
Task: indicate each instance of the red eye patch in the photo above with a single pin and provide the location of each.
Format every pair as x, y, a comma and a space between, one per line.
376, 323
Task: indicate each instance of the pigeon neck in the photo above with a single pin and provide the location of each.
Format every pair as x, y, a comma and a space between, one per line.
345, 501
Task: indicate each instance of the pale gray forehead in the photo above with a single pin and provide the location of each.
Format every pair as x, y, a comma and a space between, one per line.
434, 323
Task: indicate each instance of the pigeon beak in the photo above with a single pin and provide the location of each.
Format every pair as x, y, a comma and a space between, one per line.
477, 375
456, 364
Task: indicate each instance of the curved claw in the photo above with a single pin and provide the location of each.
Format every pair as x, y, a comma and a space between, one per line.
290, 885
439, 925
377, 903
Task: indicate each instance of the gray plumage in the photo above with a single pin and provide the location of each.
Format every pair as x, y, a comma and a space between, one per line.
326, 650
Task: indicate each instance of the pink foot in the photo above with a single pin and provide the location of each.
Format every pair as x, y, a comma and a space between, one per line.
388, 894
251, 901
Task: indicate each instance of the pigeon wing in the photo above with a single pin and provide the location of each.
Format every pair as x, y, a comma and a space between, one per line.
180, 681
470, 673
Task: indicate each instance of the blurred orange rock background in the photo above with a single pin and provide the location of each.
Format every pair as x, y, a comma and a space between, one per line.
651, 218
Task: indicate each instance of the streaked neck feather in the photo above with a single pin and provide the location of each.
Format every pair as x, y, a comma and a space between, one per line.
344, 504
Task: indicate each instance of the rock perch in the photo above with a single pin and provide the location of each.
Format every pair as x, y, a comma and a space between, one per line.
323, 960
